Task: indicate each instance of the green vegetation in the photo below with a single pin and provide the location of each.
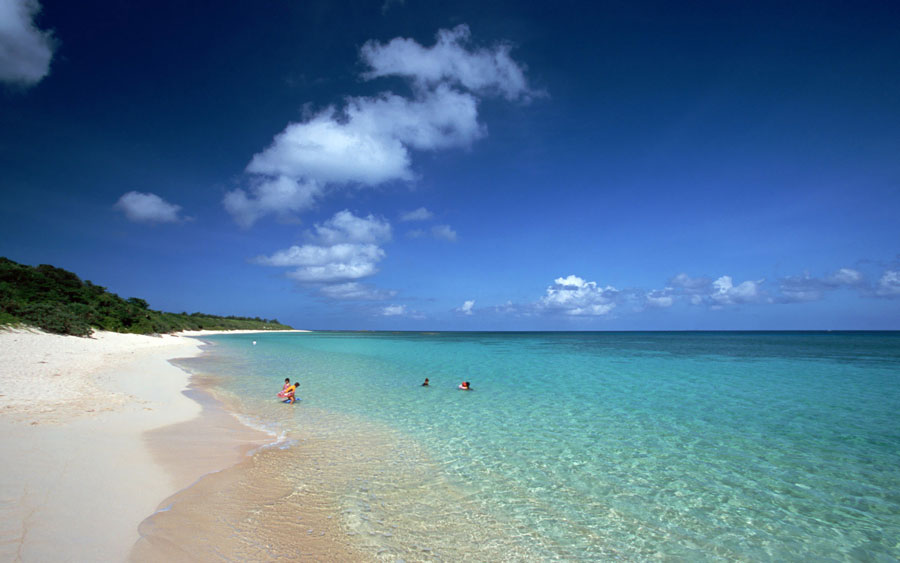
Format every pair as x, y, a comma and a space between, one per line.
56, 300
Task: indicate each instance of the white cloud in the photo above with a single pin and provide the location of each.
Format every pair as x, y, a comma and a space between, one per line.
346, 227
726, 293
370, 140
420, 214
355, 291
660, 298
344, 248
148, 208
845, 277
281, 195
394, 310
314, 255
401, 311
329, 149
802, 288
717, 293
889, 284
444, 232
466, 308
337, 271
367, 144
689, 285
574, 296
25, 51
449, 61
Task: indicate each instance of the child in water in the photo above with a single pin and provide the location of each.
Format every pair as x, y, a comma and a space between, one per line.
289, 394
426, 383
283, 392
464, 386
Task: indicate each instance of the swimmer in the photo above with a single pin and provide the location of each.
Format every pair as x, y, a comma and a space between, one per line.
289, 395
464, 386
426, 383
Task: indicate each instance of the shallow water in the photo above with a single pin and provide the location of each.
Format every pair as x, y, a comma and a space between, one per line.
572, 446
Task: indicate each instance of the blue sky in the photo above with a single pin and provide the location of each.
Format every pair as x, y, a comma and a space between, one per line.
469, 166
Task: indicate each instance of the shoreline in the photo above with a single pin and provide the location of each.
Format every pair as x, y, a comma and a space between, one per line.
94, 434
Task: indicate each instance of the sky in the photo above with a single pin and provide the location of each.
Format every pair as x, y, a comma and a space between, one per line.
408, 165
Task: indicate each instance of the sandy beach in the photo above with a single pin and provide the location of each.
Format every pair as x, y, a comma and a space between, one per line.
94, 434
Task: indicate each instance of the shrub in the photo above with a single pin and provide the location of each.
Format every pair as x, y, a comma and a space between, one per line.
56, 318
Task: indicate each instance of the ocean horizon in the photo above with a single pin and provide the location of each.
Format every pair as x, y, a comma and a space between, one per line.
595, 445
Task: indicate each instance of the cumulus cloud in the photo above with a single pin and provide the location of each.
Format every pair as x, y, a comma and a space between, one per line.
281, 195
450, 60
716, 293
444, 232
573, 295
25, 51
148, 208
889, 284
347, 227
467, 307
342, 249
420, 214
370, 140
357, 267
328, 263
726, 293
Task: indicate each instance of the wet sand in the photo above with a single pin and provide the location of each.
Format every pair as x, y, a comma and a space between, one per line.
250, 510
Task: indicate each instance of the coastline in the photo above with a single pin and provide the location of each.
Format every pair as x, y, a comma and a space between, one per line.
93, 434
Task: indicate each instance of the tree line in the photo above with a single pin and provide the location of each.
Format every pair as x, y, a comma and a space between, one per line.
58, 301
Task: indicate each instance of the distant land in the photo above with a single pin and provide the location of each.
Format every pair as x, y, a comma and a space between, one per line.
58, 301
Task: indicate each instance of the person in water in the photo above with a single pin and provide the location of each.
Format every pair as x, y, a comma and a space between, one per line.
289, 394
283, 392
464, 386
426, 383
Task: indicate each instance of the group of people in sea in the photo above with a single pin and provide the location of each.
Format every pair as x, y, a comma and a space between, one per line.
464, 386
289, 391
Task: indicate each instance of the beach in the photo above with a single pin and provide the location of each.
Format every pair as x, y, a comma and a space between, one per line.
94, 434
572, 446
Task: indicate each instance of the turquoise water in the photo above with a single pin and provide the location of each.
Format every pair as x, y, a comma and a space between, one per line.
586, 446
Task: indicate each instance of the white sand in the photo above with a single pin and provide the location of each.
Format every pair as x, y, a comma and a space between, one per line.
76, 476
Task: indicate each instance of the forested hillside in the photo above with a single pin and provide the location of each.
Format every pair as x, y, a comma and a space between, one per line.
56, 300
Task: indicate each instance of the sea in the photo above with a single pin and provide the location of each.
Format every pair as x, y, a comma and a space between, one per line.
571, 446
